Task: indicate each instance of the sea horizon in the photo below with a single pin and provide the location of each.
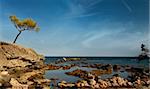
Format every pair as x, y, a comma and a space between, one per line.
93, 56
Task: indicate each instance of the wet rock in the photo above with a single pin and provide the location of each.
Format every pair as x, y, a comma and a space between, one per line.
53, 67
116, 67
101, 72
106, 67
116, 75
79, 73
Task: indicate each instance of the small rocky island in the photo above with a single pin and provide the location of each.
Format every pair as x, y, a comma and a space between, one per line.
21, 68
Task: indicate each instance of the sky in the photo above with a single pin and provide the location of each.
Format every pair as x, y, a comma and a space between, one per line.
79, 27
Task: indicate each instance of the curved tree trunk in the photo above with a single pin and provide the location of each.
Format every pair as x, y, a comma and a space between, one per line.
17, 37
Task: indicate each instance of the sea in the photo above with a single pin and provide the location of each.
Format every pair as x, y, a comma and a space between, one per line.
60, 75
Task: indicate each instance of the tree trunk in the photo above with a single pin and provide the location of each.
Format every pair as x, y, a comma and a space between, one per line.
17, 37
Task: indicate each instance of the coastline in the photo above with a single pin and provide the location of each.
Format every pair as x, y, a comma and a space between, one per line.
140, 76
23, 67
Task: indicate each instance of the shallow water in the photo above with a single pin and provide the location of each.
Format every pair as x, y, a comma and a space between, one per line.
60, 74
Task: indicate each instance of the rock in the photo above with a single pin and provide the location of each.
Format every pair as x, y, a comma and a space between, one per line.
79, 73
4, 73
114, 82
42, 81
106, 67
4, 77
116, 67
64, 84
109, 84
130, 84
101, 72
46, 87
92, 82
16, 63
116, 75
12, 51
78, 84
138, 81
70, 85
64, 59
121, 81
24, 67
15, 84
90, 76
102, 83
81, 84
85, 83
96, 86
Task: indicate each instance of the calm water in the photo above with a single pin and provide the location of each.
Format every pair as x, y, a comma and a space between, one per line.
60, 74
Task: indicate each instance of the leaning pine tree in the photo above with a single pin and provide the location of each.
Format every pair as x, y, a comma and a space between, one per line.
22, 25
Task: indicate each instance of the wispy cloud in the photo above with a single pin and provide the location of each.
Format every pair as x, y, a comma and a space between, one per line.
93, 3
80, 10
81, 15
93, 36
126, 5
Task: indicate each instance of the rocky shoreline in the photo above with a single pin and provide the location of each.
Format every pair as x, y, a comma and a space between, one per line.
92, 81
139, 78
21, 68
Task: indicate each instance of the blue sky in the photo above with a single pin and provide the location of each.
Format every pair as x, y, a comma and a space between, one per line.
79, 27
